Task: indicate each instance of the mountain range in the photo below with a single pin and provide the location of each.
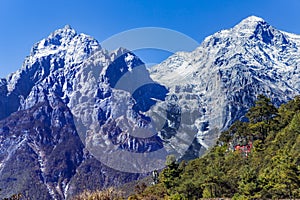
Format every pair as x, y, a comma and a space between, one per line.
77, 116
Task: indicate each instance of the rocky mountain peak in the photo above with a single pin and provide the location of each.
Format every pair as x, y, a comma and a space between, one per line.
57, 38
251, 20
249, 24
229, 69
256, 28
63, 49
66, 32
65, 41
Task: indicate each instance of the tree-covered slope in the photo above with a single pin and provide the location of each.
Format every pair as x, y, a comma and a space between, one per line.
258, 159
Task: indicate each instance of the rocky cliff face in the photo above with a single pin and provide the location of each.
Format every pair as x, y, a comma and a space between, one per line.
43, 157
222, 77
39, 155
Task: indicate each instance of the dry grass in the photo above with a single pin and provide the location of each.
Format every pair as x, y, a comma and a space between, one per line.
108, 194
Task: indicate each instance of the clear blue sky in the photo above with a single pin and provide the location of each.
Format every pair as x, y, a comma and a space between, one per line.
25, 22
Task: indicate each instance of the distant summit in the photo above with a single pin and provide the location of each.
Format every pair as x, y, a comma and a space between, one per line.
252, 20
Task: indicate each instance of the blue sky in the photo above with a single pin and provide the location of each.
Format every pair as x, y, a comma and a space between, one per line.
25, 22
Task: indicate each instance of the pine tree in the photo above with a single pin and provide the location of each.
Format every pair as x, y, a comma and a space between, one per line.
261, 115
171, 174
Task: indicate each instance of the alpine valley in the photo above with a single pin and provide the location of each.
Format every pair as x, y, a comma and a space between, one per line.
77, 116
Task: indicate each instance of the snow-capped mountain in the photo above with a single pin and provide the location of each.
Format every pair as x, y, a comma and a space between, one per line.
77, 116
69, 94
222, 77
